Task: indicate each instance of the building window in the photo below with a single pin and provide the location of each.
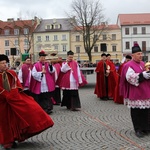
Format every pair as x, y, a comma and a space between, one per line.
48, 27
26, 42
95, 37
56, 47
64, 38
114, 48
144, 45
134, 30
7, 52
56, 26
26, 31
16, 31
127, 45
126, 31
104, 37
7, 32
96, 49
103, 47
77, 49
6, 42
143, 30
64, 48
39, 38
47, 38
113, 36
55, 38
16, 43
77, 38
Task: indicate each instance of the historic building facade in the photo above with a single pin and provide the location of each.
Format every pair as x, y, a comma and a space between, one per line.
30, 36
135, 28
16, 38
54, 34
108, 42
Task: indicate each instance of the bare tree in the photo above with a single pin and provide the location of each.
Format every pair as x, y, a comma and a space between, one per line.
23, 36
89, 22
30, 25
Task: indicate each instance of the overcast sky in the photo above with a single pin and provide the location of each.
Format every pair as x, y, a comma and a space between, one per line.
49, 9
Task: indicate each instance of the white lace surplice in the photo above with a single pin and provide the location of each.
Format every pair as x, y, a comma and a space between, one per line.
133, 78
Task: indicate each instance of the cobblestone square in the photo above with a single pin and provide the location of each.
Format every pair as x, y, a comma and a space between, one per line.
100, 125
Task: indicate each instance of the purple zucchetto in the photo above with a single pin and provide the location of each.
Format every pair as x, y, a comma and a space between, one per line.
42, 53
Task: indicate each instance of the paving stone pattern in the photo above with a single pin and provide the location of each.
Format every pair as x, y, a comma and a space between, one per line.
100, 125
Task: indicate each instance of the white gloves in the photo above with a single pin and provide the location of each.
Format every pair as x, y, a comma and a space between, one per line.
146, 75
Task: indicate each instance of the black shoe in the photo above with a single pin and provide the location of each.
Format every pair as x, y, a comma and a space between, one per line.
68, 107
49, 112
14, 145
75, 109
146, 132
103, 98
139, 134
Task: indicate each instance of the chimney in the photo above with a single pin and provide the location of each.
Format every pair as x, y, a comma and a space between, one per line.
54, 20
104, 24
10, 19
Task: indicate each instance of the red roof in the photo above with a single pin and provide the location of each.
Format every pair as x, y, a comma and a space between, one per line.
17, 24
134, 19
113, 26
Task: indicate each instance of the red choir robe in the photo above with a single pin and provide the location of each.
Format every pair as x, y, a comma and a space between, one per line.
20, 116
100, 87
112, 78
117, 97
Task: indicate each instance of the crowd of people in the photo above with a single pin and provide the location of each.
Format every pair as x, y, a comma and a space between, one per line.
37, 87
128, 85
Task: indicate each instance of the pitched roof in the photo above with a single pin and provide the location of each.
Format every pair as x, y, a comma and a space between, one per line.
113, 26
64, 22
18, 23
134, 19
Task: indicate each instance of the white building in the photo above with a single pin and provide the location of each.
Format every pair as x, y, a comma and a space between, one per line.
135, 28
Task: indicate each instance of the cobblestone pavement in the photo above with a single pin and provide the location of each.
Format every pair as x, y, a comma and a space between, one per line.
100, 125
